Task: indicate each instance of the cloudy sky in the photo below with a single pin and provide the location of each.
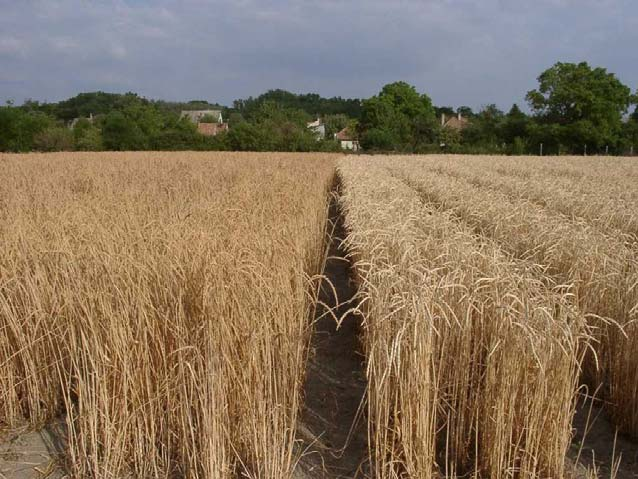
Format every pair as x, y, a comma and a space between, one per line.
460, 52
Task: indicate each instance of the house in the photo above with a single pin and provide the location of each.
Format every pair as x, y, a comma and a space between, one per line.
455, 122
211, 129
213, 124
74, 122
196, 115
347, 140
318, 128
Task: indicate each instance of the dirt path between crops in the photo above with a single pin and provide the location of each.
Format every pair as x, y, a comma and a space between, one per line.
596, 438
29, 455
333, 429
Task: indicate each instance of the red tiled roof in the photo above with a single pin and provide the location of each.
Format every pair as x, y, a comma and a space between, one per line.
211, 129
345, 135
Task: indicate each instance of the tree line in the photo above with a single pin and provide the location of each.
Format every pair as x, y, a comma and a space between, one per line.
576, 109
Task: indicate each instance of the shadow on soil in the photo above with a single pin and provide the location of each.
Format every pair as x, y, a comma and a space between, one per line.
332, 430
595, 442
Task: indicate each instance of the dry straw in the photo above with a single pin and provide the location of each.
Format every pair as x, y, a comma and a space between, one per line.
600, 263
160, 304
473, 360
606, 201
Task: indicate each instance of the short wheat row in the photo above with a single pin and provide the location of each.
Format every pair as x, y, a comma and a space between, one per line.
607, 205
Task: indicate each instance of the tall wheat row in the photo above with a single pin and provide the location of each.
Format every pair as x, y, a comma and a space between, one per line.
473, 360
159, 303
597, 259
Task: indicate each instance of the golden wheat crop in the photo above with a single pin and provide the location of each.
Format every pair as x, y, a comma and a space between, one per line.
605, 201
602, 267
160, 303
160, 306
473, 359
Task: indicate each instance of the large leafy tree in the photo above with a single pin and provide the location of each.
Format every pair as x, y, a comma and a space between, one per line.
515, 124
397, 118
311, 103
96, 103
274, 127
514, 130
484, 130
577, 105
18, 128
121, 133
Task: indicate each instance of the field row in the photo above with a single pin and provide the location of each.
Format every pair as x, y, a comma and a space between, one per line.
605, 203
484, 312
161, 306
601, 268
472, 359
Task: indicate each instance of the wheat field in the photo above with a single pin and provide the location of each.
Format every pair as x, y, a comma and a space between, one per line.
160, 306
160, 303
495, 290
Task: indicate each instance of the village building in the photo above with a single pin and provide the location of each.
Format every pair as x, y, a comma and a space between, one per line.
211, 129
318, 128
347, 140
209, 122
455, 122
196, 116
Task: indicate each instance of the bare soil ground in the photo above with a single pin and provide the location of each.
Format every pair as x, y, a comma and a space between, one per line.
29, 455
596, 443
333, 430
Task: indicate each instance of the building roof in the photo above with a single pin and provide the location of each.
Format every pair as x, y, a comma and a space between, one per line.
457, 122
196, 115
211, 129
345, 135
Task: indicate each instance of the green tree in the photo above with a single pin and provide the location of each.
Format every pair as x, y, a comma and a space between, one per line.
248, 137
135, 127
96, 103
208, 119
335, 123
89, 139
450, 139
629, 143
466, 111
583, 106
485, 130
55, 138
274, 127
311, 103
87, 136
178, 134
398, 118
18, 128
121, 133
517, 147
235, 119
514, 125
284, 129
